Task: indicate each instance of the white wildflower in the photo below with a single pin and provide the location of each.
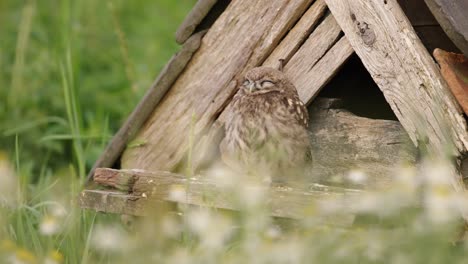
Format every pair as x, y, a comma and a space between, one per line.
199, 220
357, 177
49, 225
273, 232
252, 195
170, 226
58, 210
108, 238
177, 193
223, 176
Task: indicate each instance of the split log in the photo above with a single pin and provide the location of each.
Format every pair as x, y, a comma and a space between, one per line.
238, 41
144, 108
343, 142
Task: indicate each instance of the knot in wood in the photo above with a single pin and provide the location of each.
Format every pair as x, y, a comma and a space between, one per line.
366, 33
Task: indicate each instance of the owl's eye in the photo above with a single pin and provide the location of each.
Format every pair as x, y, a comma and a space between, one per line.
267, 84
246, 82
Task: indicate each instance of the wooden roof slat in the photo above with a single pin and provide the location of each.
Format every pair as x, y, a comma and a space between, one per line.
146, 105
298, 34
301, 66
193, 19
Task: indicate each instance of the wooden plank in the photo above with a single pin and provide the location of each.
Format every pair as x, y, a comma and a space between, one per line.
148, 187
389, 48
298, 34
193, 19
452, 16
302, 64
313, 80
238, 40
112, 202
144, 108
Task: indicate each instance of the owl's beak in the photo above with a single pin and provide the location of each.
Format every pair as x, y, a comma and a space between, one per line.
252, 87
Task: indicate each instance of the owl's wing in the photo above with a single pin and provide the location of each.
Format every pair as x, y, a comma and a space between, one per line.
297, 109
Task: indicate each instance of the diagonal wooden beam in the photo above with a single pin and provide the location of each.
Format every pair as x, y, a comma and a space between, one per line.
145, 107
193, 19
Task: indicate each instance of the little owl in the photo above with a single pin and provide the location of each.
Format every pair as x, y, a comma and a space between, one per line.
266, 131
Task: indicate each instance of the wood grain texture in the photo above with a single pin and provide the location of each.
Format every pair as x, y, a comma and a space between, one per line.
193, 19
301, 65
145, 107
242, 37
389, 48
156, 186
297, 35
343, 142
311, 82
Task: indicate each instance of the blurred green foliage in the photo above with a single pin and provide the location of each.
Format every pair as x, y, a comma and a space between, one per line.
71, 72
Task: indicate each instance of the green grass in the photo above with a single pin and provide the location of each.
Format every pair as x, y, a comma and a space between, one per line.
71, 71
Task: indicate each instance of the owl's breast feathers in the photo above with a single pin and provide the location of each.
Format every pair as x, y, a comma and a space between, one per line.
274, 121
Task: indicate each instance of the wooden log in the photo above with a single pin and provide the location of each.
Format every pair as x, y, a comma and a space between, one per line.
236, 42
389, 48
144, 108
343, 143
193, 19
149, 187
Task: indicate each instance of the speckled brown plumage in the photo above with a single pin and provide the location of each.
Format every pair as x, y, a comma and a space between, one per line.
266, 132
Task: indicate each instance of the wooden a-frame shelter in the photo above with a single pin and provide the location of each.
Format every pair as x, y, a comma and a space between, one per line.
319, 41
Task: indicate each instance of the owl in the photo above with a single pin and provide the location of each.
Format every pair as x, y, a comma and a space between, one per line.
266, 131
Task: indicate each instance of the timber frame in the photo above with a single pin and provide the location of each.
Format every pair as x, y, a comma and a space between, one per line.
314, 38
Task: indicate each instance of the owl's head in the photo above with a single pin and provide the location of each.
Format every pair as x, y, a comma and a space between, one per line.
263, 80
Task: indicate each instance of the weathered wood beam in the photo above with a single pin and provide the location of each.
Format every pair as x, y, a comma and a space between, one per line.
314, 79
236, 42
193, 19
391, 51
151, 99
297, 35
152, 187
